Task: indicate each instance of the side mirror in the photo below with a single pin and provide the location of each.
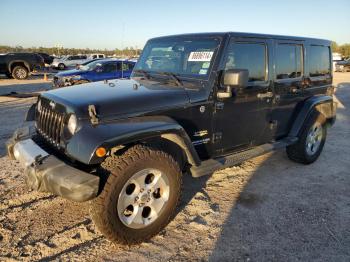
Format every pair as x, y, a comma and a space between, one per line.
233, 78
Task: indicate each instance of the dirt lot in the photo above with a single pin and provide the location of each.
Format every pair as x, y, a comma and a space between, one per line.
267, 209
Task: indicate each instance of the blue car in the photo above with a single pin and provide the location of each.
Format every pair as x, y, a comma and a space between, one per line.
97, 70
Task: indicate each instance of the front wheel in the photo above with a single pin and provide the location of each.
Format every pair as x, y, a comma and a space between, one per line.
139, 197
311, 141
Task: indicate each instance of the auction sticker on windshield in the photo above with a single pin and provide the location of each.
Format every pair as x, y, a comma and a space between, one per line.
200, 56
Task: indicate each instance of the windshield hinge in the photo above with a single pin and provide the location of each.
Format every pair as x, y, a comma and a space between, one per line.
93, 114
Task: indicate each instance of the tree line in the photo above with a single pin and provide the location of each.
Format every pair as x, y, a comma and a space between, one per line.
344, 49
58, 51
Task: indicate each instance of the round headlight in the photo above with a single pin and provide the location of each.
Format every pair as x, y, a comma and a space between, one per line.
38, 106
72, 124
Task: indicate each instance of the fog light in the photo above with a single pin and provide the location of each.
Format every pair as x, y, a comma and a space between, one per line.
101, 152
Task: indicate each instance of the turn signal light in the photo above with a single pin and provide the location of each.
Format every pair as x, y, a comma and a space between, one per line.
101, 152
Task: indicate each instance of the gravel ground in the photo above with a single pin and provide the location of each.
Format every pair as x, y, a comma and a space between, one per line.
267, 209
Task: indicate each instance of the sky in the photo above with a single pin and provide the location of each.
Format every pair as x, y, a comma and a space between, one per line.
118, 24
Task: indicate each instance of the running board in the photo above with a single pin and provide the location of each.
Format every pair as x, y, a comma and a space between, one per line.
209, 166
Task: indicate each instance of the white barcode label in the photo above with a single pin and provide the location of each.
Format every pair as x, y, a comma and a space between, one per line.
200, 56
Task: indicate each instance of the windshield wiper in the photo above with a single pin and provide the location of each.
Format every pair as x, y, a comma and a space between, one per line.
145, 73
173, 76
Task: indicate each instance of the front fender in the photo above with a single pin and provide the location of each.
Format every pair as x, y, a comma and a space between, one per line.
83, 144
323, 104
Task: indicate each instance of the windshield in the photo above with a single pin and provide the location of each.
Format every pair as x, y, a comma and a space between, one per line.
90, 66
179, 56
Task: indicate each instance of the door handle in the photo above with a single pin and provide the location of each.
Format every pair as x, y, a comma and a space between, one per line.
265, 95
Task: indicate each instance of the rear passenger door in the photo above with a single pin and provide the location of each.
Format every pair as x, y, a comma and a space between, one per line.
288, 84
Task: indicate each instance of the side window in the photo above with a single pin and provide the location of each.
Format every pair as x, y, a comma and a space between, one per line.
70, 58
319, 63
288, 61
108, 68
131, 66
100, 56
126, 66
251, 56
94, 56
83, 57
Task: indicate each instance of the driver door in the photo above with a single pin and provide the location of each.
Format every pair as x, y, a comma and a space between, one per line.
242, 121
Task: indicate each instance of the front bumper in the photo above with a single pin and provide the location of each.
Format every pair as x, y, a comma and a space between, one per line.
46, 173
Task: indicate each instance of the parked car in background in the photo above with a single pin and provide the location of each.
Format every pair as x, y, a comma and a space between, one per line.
69, 61
95, 56
48, 59
87, 62
97, 70
20, 65
343, 66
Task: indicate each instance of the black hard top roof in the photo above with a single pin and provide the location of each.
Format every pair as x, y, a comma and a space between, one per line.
250, 35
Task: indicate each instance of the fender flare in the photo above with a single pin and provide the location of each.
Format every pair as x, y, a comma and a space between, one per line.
84, 143
323, 104
18, 61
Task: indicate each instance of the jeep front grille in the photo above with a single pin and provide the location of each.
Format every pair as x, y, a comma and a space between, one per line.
50, 123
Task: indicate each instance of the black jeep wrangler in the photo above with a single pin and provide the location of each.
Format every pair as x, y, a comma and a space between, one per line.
196, 103
20, 65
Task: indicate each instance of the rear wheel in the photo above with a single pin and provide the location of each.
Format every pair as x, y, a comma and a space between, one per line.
311, 141
20, 72
140, 195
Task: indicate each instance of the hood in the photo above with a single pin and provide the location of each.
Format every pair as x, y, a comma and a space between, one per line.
70, 73
119, 98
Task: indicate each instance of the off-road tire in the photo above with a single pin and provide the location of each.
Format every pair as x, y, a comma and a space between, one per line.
20, 72
61, 66
119, 169
297, 152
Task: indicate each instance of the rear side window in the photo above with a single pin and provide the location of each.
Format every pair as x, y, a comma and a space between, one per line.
100, 56
288, 61
251, 56
319, 63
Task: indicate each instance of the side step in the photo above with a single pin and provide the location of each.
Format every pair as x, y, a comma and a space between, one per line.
211, 165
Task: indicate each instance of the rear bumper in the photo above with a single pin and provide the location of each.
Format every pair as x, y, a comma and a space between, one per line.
46, 173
